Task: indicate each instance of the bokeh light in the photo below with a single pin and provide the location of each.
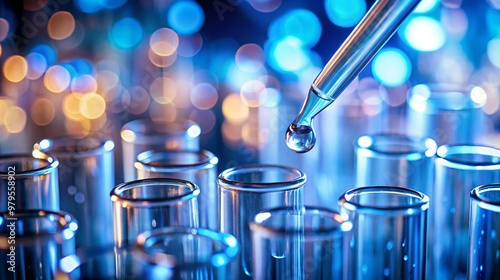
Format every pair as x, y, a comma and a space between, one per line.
493, 52
282, 50
190, 45
48, 53
4, 29
126, 33
92, 105
14, 119
234, 109
89, 6
15, 68
42, 111
164, 42
345, 13
252, 93
391, 67
205, 118
425, 6
84, 83
250, 58
186, 17
57, 79
204, 96
61, 25
161, 61
163, 90
37, 65
299, 23
265, 6
423, 34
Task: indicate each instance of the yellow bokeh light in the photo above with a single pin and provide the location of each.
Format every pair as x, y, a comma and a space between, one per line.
163, 90
71, 106
0, 50
57, 79
92, 105
164, 42
42, 111
14, 119
233, 108
15, 68
61, 25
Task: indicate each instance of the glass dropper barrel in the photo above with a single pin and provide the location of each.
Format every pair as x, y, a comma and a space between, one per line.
367, 38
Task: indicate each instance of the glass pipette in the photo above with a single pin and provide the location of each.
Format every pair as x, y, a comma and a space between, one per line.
367, 38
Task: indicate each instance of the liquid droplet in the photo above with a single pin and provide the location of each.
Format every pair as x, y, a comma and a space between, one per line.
300, 138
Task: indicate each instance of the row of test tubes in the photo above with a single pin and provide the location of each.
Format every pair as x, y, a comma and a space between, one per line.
415, 208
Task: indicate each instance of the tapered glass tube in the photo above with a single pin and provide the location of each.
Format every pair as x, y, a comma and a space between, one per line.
449, 114
247, 190
395, 160
110, 262
29, 182
389, 232
145, 134
196, 253
198, 167
145, 204
484, 241
459, 169
86, 177
33, 241
312, 243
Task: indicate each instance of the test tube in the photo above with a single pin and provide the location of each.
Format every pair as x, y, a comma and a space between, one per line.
29, 182
312, 243
484, 242
145, 204
447, 113
395, 160
246, 190
86, 176
459, 169
389, 232
33, 241
198, 167
145, 134
189, 253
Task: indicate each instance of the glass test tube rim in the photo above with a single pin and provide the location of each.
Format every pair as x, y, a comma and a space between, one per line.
144, 138
226, 183
66, 221
484, 202
440, 88
444, 151
409, 209
221, 258
344, 225
52, 164
47, 145
208, 161
148, 202
428, 146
